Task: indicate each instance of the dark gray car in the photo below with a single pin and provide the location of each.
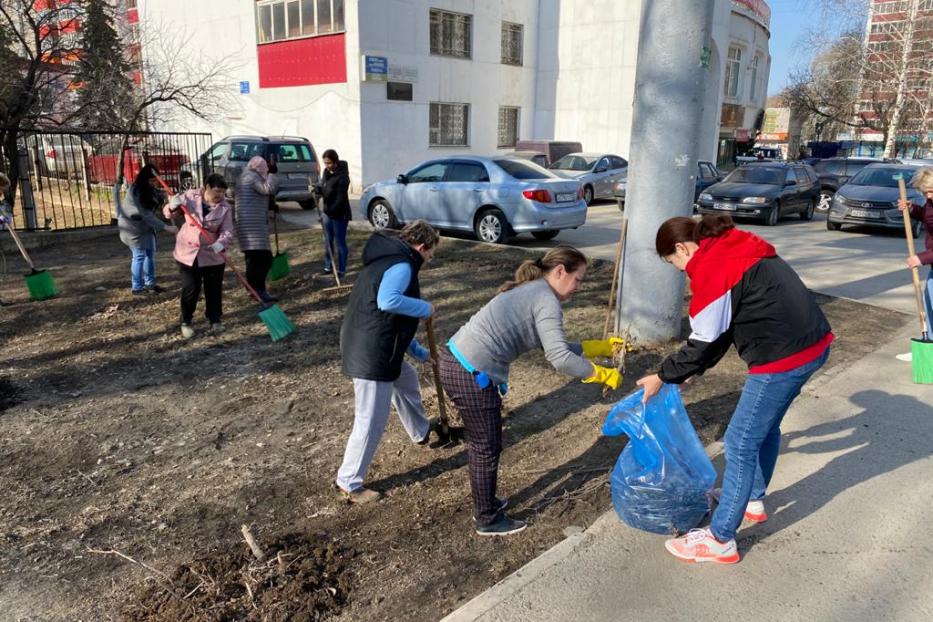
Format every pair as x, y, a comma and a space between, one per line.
765, 191
870, 198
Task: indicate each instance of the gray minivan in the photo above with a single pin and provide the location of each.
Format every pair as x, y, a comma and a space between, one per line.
295, 158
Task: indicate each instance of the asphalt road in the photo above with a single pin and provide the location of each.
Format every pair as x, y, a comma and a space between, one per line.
866, 265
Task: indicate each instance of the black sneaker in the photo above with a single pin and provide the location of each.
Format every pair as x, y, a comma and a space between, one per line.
156, 289
505, 526
140, 292
325, 273
501, 504
267, 297
433, 426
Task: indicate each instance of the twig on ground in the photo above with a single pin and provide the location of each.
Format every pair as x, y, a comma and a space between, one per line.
257, 551
129, 559
595, 469
87, 477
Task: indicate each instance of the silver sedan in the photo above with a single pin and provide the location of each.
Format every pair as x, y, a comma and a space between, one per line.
495, 198
599, 173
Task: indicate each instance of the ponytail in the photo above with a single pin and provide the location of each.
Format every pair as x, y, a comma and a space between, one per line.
534, 269
674, 231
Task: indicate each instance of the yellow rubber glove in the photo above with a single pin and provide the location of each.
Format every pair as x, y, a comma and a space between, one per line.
601, 347
604, 375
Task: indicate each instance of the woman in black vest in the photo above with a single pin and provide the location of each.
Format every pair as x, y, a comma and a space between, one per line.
378, 329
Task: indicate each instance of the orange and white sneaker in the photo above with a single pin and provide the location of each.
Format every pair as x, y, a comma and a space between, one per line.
754, 511
699, 546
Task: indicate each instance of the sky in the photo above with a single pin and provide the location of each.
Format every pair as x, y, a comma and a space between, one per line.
790, 20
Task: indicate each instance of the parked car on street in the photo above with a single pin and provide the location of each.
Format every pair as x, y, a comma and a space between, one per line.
707, 175
598, 172
495, 198
552, 150
534, 156
59, 155
870, 198
768, 154
765, 191
833, 173
295, 157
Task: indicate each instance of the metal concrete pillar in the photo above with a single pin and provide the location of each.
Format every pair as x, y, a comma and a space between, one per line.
671, 78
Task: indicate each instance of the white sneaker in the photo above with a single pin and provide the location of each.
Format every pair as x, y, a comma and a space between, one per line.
907, 357
754, 511
700, 546
186, 331
217, 327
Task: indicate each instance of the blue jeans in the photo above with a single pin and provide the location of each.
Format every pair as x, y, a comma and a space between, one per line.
753, 440
142, 266
336, 231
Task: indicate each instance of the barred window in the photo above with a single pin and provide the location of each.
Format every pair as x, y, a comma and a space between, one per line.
451, 34
512, 36
449, 125
508, 126
277, 20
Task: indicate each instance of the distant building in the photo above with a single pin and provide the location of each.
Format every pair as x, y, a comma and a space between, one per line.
390, 83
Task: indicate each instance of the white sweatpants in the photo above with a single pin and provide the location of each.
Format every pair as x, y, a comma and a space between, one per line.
369, 421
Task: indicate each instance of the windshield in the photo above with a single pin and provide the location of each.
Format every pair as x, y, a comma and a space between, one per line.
575, 163
756, 175
524, 170
885, 177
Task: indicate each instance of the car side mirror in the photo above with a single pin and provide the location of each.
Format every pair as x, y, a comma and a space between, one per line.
720, 177
790, 183
402, 178
600, 169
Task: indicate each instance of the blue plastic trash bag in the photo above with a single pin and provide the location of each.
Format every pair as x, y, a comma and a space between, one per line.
661, 479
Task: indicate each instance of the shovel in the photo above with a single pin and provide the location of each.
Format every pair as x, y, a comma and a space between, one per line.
921, 349
446, 435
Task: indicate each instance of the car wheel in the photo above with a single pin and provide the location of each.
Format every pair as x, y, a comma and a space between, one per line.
773, 216
588, 195
826, 199
548, 234
491, 226
833, 226
381, 215
807, 213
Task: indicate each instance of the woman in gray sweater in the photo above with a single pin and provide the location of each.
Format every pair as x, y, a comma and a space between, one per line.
255, 195
474, 368
138, 225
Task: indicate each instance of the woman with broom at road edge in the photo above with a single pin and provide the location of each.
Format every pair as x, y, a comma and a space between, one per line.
255, 196
474, 367
743, 294
198, 261
922, 181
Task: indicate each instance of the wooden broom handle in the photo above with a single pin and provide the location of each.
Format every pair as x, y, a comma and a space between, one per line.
915, 271
620, 249
19, 245
432, 347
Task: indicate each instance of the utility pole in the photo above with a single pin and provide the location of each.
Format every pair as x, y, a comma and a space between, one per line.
671, 78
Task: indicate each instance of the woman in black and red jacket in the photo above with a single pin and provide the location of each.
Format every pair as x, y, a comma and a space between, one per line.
923, 181
743, 294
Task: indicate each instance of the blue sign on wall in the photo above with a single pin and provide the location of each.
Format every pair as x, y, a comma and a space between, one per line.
376, 68
244, 87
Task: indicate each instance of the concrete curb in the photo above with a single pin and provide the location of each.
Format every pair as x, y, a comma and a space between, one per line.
533, 570
45, 239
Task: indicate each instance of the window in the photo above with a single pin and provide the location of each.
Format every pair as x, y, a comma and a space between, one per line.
432, 171
525, 170
292, 152
512, 37
449, 125
242, 152
217, 152
451, 34
467, 171
754, 80
277, 20
706, 170
602, 165
733, 64
616, 162
790, 177
508, 126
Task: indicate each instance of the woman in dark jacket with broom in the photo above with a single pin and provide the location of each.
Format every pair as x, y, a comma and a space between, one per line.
138, 226
255, 193
334, 187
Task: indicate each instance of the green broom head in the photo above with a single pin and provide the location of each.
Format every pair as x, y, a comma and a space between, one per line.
277, 323
922, 360
41, 285
279, 268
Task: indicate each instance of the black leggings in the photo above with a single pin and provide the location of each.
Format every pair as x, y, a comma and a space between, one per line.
257, 267
191, 279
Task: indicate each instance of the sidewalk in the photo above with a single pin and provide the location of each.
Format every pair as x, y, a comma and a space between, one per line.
848, 535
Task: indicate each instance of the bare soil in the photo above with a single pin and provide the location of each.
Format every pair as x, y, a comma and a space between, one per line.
119, 440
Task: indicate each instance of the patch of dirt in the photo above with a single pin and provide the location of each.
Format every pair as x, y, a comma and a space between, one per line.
9, 393
126, 437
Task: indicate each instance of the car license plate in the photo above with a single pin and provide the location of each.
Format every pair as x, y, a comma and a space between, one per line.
566, 196
729, 207
861, 213
297, 175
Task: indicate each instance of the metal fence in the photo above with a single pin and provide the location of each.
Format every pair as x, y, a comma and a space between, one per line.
71, 174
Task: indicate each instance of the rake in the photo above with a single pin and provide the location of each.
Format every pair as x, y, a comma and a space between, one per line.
277, 323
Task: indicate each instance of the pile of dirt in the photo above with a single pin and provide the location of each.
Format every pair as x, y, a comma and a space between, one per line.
302, 580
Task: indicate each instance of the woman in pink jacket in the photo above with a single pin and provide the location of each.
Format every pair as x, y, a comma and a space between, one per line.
199, 260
